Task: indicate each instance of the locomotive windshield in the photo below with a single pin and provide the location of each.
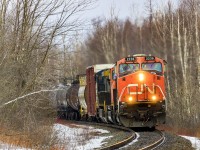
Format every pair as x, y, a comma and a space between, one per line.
125, 69
153, 67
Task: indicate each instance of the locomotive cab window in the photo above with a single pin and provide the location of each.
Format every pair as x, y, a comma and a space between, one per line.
153, 67
125, 69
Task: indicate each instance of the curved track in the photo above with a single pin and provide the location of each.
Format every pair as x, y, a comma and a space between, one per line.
157, 143
128, 139
123, 142
118, 144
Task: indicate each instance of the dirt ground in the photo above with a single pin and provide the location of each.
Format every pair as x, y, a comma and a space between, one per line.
180, 131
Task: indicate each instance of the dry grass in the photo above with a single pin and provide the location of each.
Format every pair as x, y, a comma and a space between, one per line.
15, 138
41, 137
198, 132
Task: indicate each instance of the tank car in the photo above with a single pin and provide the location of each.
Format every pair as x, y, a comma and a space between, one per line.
60, 96
71, 102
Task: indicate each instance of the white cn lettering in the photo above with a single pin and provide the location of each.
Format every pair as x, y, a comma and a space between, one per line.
142, 89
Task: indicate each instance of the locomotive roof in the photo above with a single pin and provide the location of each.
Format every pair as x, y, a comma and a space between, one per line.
144, 55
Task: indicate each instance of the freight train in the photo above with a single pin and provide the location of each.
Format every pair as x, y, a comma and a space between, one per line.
130, 92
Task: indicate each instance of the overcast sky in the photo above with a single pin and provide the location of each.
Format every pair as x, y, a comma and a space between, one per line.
125, 8
133, 9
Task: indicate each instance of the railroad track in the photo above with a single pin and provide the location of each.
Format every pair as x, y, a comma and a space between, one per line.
128, 139
157, 143
118, 144
133, 136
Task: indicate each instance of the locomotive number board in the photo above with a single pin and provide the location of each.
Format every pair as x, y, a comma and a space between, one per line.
130, 59
149, 58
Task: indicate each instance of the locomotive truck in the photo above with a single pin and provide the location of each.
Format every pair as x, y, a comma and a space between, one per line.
130, 92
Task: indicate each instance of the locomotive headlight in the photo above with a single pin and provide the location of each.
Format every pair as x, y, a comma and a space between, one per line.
154, 97
141, 77
130, 98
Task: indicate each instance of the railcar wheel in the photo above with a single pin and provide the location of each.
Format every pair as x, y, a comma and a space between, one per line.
61, 115
152, 128
58, 115
75, 116
72, 116
99, 120
66, 116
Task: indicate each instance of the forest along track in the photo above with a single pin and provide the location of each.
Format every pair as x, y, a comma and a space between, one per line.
128, 135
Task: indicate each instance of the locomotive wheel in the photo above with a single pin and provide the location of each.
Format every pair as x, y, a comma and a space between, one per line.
118, 122
114, 118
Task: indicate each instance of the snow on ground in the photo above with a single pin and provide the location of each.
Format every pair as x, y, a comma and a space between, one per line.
194, 140
80, 137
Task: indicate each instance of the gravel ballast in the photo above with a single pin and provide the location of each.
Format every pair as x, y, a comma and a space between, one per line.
172, 142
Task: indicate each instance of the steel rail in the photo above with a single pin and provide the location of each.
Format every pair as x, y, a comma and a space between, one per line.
120, 143
157, 143
115, 145
128, 139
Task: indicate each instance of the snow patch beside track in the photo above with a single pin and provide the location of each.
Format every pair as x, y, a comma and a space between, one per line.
194, 140
80, 137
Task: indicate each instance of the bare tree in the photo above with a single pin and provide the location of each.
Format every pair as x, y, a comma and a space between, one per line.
30, 33
172, 34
